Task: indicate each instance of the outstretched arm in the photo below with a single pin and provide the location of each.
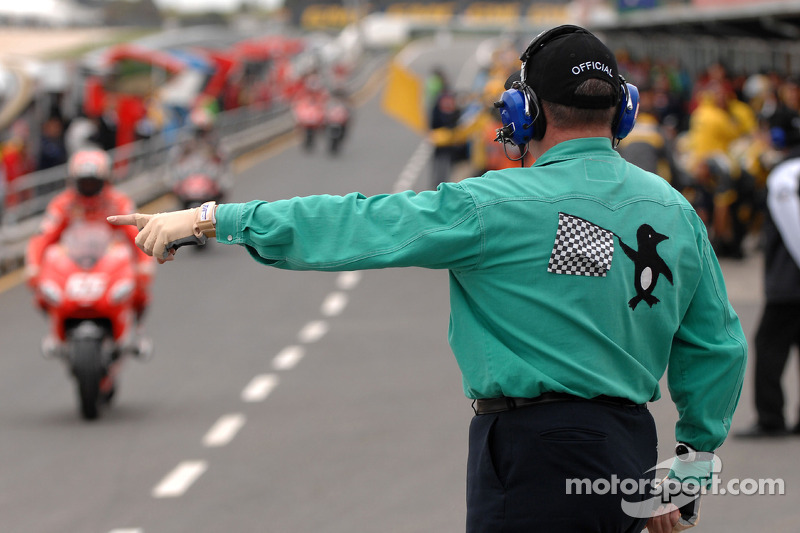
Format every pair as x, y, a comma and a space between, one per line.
627, 249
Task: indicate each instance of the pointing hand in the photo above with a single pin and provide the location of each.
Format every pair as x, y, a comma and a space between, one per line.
160, 235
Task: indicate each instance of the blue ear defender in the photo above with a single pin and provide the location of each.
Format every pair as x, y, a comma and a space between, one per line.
518, 112
627, 113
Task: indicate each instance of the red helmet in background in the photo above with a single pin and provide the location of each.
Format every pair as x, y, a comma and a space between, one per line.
90, 170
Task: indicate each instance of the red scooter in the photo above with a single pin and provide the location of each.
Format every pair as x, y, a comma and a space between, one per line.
86, 284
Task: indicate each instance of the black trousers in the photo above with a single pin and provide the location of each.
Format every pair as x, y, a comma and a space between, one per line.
521, 462
778, 331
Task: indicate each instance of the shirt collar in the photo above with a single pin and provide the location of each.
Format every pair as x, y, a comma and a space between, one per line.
575, 148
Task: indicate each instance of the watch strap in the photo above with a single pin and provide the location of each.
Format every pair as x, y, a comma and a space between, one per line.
206, 219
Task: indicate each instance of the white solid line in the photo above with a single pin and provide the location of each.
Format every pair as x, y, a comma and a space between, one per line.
224, 430
129, 530
259, 388
288, 357
313, 331
334, 304
348, 280
180, 479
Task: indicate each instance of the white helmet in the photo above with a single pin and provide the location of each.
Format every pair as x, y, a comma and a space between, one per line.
91, 170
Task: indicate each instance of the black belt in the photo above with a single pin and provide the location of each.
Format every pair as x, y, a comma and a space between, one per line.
485, 406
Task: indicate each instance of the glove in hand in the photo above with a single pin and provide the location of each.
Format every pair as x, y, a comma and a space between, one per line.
161, 234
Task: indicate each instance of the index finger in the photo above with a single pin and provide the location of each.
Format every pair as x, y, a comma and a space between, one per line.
134, 219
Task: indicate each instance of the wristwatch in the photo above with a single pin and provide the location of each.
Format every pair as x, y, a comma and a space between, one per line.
685, 453
206, 219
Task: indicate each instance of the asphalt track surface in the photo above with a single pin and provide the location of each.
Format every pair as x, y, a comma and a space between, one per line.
286, 402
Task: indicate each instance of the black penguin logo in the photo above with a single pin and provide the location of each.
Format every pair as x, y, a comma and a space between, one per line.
648, 265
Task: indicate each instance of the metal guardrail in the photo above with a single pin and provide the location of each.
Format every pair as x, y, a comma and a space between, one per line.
139, 171
140, 167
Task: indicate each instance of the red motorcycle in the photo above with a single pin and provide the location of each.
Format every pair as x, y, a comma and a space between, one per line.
86, 284
309, 115
197, 180
337, 116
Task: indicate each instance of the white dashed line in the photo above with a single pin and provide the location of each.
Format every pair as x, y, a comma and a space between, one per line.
410, 174
259, 388
288, 357
313, 331
180, 479
334, 304
348, 280
224, 430
177, 482
129, 530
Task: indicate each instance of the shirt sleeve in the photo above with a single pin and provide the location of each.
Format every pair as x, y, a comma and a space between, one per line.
707, 363
434, 229
783, 201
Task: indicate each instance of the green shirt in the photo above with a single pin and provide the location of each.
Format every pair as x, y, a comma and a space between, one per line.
581, 274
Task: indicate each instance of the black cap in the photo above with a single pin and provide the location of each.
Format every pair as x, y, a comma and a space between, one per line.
554, 67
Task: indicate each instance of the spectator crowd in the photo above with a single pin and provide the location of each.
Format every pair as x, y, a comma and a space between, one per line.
714, 136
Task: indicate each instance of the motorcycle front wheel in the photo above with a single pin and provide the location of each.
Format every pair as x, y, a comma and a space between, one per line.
87, 367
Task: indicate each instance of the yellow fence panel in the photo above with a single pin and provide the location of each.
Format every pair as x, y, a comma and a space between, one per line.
403, 98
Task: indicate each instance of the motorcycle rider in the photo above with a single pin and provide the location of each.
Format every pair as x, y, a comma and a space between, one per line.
308, 106
202, 138
203, 145
90, 196
337, 118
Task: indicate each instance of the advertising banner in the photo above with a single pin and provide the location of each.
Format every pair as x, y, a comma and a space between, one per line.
332, 14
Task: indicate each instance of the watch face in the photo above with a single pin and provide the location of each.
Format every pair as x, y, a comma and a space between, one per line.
685, 452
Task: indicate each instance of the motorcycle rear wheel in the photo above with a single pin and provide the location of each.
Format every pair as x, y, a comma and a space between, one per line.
88, 370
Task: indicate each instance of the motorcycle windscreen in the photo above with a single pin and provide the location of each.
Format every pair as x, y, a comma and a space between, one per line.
87, 242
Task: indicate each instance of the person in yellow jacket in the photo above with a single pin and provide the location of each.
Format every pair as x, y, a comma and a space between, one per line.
718, 120
719, 185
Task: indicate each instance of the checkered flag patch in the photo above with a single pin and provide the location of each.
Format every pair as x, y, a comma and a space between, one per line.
581, 248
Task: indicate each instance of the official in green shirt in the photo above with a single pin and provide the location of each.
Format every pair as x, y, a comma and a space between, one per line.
575, 284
